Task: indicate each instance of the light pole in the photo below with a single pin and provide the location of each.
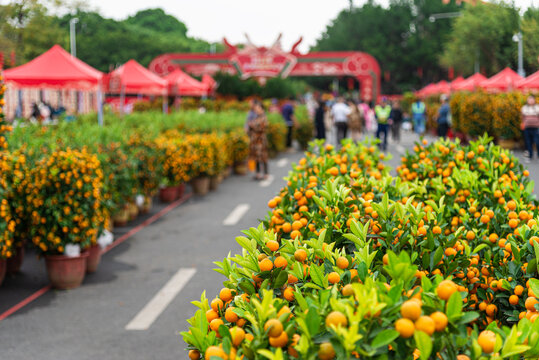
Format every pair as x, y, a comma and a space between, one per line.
518, 39
73, 36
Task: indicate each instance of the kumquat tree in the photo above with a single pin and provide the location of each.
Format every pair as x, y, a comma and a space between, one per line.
351, 262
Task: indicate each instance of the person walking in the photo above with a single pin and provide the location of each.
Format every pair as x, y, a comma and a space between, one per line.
354, 121
258, 146
382, 112
340, 112
287, 111
419, 111
530, 126
396, 121
443, 116
319, 115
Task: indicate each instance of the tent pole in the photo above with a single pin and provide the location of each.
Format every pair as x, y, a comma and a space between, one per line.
99, 106
122, 99
165, 103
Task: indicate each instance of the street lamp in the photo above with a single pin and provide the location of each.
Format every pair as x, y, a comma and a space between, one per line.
73, 36
447, 15
518, 39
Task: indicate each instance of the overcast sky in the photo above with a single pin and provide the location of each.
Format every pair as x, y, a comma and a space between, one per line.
262, 20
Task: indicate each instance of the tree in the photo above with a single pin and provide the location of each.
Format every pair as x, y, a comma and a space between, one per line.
484, 32
400, 37
530, 35
157, 20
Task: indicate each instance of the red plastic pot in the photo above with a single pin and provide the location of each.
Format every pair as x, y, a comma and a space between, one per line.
93, 259
180, 190
168, 194
14, 263
2, 270
66, 272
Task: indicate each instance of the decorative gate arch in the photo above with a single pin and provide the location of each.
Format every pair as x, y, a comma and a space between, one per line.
262, 63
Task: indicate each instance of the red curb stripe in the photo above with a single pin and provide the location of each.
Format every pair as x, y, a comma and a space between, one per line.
25, 302
120, 240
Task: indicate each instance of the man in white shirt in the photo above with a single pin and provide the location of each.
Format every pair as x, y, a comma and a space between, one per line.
340, 112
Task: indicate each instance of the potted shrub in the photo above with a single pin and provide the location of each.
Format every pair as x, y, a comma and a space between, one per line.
7, 229
67, 213
202, 166
240, 143
16, 182
175, 159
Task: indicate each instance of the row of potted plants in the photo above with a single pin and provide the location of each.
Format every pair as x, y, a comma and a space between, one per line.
62, 187
351, 262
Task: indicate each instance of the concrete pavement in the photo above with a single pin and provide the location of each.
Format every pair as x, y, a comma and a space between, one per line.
90, 322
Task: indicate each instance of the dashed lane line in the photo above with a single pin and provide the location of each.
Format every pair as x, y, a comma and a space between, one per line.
147, 316
267, 182
282, 162
235, 216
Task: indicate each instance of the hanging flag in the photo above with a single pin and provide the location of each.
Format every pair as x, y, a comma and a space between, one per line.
451, 73
12, 58
387, 76
420, 72
1, 60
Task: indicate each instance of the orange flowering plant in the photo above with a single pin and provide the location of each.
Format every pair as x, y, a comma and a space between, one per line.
4, 128
175, 157
67, 200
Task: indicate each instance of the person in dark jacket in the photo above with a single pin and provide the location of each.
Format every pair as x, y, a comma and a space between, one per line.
319, 115
443, 117
396, 121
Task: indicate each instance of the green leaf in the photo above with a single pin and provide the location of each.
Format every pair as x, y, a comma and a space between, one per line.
454, 306
424, 344
384, 338
534, 285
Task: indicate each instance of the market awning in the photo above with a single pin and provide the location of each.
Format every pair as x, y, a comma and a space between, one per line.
133, 78
55, 68
181, 84
502, 81
529, 83
469, 84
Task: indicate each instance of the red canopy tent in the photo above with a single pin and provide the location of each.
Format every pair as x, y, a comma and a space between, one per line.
442, 87
133, 78
425, 91
57, 69
502, 81
469, 84
210, 82
457, 81
529, 83
181, 84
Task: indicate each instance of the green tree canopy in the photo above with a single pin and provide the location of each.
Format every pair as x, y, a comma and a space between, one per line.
400, 37
484, 32
159, 21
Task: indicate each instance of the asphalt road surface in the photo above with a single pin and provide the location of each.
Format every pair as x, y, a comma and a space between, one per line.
138, 301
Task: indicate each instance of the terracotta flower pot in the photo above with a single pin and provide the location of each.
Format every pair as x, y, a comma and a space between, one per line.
180, 190
66, 272
121, 217
14, 263
133, 211
201, 185
240, 168
214, 183
168, 194
227, 172
93, 259
3, 263
148, 203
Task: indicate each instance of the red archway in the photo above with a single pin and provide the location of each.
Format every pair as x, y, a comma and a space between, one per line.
263, 63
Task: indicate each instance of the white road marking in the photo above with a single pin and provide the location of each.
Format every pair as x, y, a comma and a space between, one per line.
400, 149
267, 182
282, 162
236, 214
146, 317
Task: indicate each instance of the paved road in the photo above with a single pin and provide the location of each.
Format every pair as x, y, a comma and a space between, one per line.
90, 322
